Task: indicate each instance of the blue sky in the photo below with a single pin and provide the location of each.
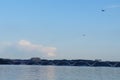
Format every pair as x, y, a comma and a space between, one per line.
54, 29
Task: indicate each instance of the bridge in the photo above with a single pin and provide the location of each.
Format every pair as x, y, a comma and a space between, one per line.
80, 63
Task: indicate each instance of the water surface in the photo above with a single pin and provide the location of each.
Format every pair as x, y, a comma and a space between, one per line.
30, 72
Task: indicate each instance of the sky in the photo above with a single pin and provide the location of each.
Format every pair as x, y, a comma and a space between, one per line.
60, 29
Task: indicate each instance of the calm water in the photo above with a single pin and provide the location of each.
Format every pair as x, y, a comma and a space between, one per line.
24, 72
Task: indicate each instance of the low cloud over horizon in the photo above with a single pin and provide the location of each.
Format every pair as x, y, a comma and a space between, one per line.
26, 48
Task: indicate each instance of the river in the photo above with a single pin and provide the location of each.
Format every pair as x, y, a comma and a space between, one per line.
36, 72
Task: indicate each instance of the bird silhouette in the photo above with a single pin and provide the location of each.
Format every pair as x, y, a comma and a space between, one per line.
103, 10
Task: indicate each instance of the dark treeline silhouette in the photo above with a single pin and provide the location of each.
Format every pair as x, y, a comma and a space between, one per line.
78, 62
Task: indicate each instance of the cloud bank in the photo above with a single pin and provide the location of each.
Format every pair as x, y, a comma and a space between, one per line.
28, 47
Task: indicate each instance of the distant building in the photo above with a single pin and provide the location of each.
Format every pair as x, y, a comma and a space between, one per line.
35, 59
98, 60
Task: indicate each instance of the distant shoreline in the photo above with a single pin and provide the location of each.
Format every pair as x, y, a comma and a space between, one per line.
77, 62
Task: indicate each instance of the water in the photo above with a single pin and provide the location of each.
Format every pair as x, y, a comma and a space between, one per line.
26, 72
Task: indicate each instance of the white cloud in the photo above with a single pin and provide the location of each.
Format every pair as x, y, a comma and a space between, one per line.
28, 47
49, 50
24, 43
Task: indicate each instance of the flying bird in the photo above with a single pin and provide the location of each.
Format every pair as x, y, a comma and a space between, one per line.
103, 10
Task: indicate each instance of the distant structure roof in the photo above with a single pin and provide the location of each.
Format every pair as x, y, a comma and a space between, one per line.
35, 59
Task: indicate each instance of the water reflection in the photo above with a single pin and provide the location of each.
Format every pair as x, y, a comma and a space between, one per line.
51, 73
38, 73
25, 72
